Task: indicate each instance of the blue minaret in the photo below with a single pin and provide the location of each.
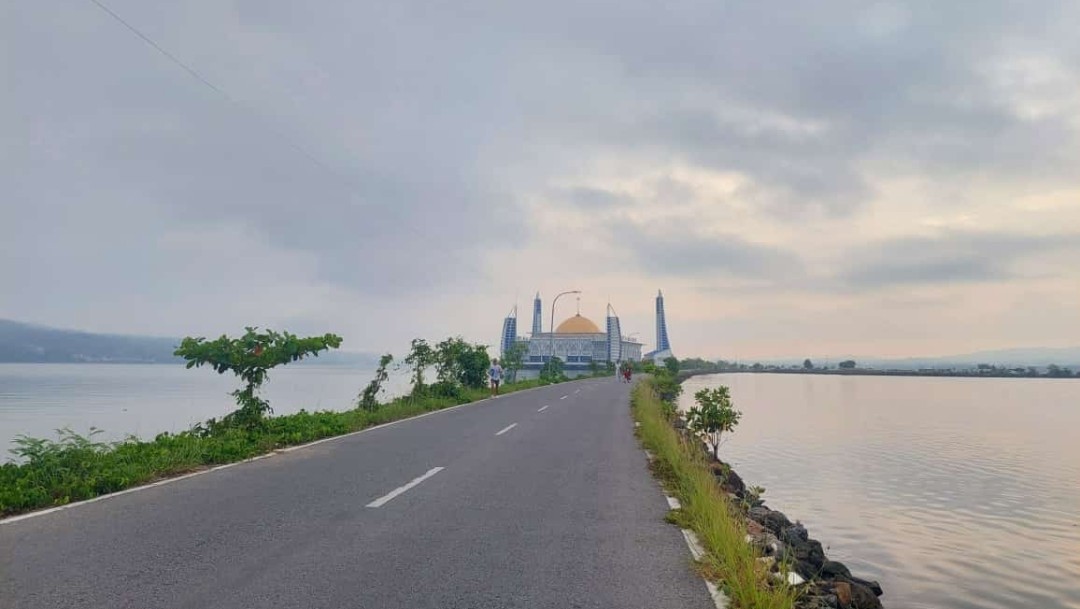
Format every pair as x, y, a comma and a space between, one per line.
509, 331
662, 343
538, 316
614, 335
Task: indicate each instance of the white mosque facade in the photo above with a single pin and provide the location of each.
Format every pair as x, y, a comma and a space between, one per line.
578, 342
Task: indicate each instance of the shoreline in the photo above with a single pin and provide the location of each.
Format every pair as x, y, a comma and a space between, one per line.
685, 374
734, 521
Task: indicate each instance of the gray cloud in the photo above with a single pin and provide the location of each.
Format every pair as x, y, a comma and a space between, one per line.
593, 198
667, 250
129, 186
952, 258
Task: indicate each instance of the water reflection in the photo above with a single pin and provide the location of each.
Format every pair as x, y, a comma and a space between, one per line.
952, 492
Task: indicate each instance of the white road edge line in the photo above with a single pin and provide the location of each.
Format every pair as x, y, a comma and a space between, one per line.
35, 514
381, 501
718, 597
564, 397
543, 408
506, 429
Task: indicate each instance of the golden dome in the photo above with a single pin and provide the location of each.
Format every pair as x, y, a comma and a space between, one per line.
577, 325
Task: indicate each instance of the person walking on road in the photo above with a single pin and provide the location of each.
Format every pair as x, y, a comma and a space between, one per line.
495, 374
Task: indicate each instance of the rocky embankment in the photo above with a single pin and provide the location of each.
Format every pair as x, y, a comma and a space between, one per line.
785, 545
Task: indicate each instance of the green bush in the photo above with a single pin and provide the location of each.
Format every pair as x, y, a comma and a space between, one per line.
667, 385
369, 397
713, 415
251, 357
552, 371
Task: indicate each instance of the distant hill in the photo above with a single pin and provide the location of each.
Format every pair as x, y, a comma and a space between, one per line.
29, 343
1035, 356
1039, 357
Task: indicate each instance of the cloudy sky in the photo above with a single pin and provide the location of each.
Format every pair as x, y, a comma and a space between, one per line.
821, 179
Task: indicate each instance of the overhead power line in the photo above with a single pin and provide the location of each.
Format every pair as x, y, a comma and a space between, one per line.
283, 137
206, 82
160, 49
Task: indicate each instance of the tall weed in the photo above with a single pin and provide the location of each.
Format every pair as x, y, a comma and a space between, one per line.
729, 560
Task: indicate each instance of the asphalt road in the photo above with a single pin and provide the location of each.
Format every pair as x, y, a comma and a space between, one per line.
533, 507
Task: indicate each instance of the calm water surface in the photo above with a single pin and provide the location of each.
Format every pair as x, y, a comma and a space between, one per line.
953, 493
144, 400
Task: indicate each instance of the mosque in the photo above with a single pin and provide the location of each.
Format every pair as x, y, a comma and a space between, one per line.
579, 342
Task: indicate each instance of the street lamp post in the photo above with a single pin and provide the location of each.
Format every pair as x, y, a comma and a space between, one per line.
551, 328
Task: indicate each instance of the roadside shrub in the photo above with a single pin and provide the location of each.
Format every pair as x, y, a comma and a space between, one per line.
713, 415
250, 357
369, 397
552, 371
667, 385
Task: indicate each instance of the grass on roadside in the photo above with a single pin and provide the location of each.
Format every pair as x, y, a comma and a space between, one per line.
74, 467
728, 560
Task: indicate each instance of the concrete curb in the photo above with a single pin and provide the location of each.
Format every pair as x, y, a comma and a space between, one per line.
697, 551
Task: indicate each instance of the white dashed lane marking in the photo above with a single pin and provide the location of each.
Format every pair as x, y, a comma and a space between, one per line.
381, 501
506, 429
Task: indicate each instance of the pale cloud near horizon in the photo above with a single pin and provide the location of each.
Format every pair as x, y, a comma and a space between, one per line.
842, 178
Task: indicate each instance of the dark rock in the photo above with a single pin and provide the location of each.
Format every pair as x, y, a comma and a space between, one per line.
758, 514
734, 484
679, 423
843, 595
863, 597
871, 585
806, 554
775, 522
831, 569
816, 556
795, 534
816, 602
728, 479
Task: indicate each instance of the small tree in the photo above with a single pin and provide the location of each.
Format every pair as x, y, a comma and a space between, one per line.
513, 359
807, 364
250, 357
447, 359
672, 365
473, 362
369, 398
1053, 370
668, 387
552, 372
420, 357
847, 364
713, 415
459, 364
